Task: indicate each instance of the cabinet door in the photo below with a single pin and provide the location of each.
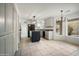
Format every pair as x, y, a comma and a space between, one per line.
15, 32
2, 20
49, 22
2, 46
9, 19
15, 21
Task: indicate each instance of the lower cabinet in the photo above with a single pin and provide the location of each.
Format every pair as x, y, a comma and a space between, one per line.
9, 45
49, 34
2, 46
9, 24
35, 36
16, 42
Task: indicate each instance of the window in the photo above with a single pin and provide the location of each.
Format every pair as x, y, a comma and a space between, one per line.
58, 27
73, 27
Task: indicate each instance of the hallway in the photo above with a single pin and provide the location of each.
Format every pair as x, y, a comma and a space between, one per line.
46, 48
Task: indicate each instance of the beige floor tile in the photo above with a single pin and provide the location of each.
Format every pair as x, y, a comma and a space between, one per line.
46, 48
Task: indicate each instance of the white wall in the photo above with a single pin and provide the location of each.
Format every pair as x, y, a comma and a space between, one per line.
24, 30
73, 15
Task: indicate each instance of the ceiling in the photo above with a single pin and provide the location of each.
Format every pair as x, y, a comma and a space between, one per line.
43, 10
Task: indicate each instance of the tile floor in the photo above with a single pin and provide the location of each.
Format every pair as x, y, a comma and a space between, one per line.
46, 48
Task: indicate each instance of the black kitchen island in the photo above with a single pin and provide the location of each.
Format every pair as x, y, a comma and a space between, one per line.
35, 36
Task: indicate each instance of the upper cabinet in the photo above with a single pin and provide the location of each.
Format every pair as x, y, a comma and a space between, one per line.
2, 20
15, 20
49, 22
9, 18
8, 25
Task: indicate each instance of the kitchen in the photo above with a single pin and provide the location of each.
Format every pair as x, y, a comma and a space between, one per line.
44, 30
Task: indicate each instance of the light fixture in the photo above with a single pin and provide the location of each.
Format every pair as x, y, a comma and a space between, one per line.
61, 15
33, 20
61, 22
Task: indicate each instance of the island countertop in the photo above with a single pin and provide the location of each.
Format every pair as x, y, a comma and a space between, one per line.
43, 30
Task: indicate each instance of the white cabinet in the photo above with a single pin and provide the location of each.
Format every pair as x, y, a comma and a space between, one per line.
15, 42
15, 21
16, 31
49, 34
2, 20
9, 43
2, 46
9, 19
49, 22
9, 33
2, 28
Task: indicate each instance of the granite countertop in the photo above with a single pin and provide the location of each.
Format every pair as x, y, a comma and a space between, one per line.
43, 30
